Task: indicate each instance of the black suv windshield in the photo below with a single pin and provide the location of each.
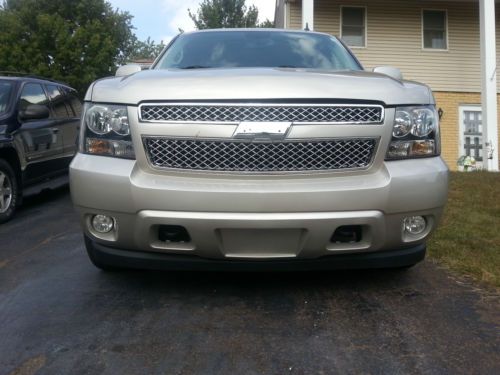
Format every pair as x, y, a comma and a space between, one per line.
5, 90
247, 49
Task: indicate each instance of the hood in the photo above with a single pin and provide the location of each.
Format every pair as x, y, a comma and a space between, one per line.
258, 84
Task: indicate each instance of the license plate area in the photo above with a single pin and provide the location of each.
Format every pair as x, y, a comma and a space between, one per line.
261, 243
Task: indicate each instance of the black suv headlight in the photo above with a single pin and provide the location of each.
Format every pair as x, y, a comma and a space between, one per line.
106, 131
415, 133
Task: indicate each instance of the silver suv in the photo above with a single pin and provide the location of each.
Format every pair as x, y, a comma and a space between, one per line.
258, 149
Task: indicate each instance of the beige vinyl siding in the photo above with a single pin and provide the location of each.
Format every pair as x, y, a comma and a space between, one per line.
294, 15
394, 37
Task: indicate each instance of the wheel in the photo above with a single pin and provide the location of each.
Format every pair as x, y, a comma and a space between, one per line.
95, 259
10, 193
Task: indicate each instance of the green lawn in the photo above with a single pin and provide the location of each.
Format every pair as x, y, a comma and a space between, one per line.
468, 238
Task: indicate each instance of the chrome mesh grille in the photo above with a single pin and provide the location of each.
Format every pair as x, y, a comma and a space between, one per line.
247, 156
352, 114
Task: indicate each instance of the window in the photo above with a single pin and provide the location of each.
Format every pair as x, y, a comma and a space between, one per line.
471, 137
32, 94
257, 48
353, 27
57, 99
434, 24
75, 103
5, 90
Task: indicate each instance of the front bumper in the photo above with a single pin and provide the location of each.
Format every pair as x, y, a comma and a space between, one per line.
258, 218
103, 255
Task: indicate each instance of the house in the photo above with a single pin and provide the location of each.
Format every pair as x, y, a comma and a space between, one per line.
449, 45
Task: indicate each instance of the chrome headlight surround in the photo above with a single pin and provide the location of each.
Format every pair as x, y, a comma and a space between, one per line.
415, 133
105, 131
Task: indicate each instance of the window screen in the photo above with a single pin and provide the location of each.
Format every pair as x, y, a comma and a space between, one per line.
353, 26
434, 24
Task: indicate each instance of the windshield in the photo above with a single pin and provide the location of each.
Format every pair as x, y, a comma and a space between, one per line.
5, 89
247, 49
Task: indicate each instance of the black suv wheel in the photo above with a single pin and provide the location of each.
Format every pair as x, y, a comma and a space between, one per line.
9, 192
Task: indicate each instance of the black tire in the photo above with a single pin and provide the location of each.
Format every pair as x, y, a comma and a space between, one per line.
9, 183
95, 260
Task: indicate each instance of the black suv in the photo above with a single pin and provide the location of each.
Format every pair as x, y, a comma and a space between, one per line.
39, 122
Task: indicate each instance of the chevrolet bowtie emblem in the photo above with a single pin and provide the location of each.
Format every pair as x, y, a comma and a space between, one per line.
262, 130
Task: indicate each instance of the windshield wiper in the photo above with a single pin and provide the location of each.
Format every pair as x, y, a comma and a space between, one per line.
195, 67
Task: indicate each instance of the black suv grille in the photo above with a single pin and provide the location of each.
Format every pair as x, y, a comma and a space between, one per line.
248, 156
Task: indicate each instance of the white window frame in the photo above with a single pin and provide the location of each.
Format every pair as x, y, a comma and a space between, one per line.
447, 29
365, 8
461, 109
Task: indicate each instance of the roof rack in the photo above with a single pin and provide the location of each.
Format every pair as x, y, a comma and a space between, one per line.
29, 75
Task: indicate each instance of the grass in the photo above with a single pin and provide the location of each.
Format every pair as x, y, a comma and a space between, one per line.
468, 238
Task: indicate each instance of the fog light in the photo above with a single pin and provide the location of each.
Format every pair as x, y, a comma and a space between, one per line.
103, 223
414, 224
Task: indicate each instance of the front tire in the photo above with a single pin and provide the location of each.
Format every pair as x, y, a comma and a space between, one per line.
10, 192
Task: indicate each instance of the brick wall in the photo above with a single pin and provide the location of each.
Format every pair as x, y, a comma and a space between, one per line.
450, 103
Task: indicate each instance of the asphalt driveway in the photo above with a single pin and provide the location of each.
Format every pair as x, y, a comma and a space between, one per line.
60, 315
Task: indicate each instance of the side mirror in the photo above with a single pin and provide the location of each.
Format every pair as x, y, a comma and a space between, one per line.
127, 70
34, 112
389, 71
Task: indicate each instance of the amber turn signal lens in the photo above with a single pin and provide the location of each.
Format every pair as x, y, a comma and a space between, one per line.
421, 148
110, 147
99, 146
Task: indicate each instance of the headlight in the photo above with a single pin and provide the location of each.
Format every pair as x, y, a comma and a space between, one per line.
106, 131
415, 133
402, 124
424, 122
104, 119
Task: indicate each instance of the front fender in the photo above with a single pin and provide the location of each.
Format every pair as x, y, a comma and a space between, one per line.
7, 144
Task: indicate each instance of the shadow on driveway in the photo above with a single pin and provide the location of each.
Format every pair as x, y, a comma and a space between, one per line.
61, 315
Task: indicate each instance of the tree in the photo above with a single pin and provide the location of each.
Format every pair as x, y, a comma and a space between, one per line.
76, 41
213, 14
267, 24
148, 50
